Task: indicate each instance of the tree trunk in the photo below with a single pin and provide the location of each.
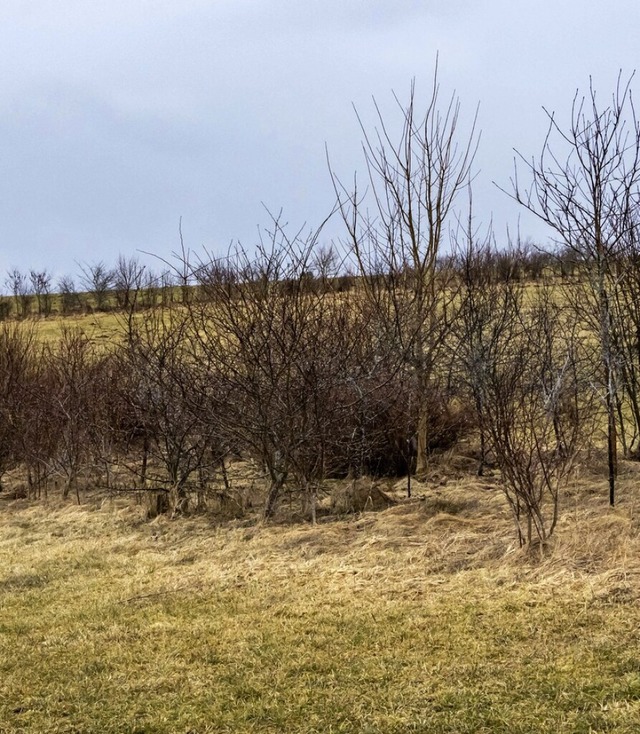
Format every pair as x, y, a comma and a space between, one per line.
145, 460
423, 439
612, 449
272, 497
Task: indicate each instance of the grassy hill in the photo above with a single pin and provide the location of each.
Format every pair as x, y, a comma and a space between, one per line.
425, 617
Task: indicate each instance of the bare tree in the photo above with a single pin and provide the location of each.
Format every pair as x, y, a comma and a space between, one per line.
17, 364
128, 280
277, 345
160, 380
584, 185
247, 328
39, 432
625, 339
97, 278
41, 287
487, 294
68, 396
69, 298
413, 183
151, 291
18, 284
534, 408
167, 287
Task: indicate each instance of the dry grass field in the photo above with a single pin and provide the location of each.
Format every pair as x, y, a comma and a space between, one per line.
103, 328
424, 617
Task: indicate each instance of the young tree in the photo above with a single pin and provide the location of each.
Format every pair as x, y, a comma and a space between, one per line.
41, 287
487, 294
69, 297
151, 289
18, 284
413, 183
167, 287
625, 339
97, 278
584, 185
17, 366
160, 381
68, 400
534, 407
128, 280
279, 351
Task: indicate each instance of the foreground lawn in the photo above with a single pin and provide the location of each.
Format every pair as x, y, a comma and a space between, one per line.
422, 618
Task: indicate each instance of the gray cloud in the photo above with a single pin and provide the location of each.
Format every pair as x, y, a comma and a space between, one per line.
118, 118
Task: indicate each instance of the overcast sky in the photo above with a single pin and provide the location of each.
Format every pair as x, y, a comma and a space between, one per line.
117, 118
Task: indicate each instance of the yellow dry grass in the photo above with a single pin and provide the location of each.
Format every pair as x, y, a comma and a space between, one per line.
100, 327
423, 618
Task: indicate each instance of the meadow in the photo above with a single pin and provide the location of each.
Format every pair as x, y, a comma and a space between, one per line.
145, 587
164, 567
424, 617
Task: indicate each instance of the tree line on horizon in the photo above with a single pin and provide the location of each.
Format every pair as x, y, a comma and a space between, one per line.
97, 287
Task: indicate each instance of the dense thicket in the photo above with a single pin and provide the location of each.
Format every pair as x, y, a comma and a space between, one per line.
273, 361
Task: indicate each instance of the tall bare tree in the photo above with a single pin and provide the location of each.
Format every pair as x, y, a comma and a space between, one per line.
585, 186
396, 229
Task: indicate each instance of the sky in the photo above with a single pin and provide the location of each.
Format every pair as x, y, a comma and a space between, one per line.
120, 119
